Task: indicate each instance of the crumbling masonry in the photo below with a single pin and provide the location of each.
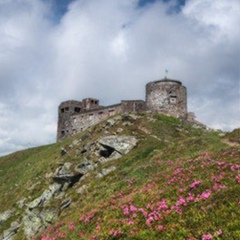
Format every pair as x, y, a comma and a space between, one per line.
164, 96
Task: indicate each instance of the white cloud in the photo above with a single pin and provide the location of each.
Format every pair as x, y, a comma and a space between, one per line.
110, 50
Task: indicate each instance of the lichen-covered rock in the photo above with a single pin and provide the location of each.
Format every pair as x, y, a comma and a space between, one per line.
6, 215
10, 232
121, 144
32, 223
45, 196
65, 203
85, 167
66, 173
83, 189
35, 221
105, 172
21, 203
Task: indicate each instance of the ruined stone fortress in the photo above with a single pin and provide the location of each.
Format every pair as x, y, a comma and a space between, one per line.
166, 96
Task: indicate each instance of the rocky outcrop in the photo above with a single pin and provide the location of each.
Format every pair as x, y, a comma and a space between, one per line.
6, 215
35, 221
45, 209
9, 233
119, 144
65, 174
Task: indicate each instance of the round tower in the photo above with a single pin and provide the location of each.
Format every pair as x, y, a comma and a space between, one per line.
167, 96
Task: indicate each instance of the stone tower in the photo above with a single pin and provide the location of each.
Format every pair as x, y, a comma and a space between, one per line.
65, 111
167, 96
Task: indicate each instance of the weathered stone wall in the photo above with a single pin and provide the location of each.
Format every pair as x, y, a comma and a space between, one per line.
133, 106
82, 121
65, 110
167, 96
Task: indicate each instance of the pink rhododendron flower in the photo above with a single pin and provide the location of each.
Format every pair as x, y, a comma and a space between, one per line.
190, 198
207, 236
81, 234
98, 227
195, 184
116, 233
205, 195
217, 186
125, 210
181, 202
47, 238
130, 222
160, 227
71, 226
238, 178
181, 190
177, 209
133, 208
235, 167
149, 221
162, 204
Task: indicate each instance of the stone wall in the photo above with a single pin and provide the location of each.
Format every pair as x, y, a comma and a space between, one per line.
80, 122
133, 106
167, 96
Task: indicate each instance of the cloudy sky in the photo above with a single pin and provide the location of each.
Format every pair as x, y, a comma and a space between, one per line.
55, 50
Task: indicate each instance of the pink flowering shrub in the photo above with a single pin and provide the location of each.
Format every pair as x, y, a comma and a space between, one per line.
195, 184
173, 202
207, 236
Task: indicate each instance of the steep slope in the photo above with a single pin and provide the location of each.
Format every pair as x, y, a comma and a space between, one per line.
130, 177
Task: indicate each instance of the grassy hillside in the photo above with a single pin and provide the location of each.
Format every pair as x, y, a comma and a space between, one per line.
179, 182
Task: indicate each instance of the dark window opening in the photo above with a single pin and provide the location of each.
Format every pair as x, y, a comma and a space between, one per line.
67, 109
63, 133
77, 109
62, 110
173, 99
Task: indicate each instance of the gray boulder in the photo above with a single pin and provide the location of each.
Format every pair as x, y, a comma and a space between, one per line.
85, 167
45, 196
9, 233
35, 221
121, 144
105, 172
83, 189
64, 174
6, 215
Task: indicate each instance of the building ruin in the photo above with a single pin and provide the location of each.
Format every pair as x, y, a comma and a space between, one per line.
166, 96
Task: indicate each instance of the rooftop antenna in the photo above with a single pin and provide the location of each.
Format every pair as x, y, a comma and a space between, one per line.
166, 73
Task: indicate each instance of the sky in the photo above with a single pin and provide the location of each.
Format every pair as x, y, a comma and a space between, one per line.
56, 50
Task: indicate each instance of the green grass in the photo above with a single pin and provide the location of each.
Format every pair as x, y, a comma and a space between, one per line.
168, 158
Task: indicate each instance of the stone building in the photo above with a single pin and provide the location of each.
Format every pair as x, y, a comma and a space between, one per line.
164, 96
168, 97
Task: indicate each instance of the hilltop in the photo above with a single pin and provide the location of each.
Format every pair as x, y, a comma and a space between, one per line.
142, 176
